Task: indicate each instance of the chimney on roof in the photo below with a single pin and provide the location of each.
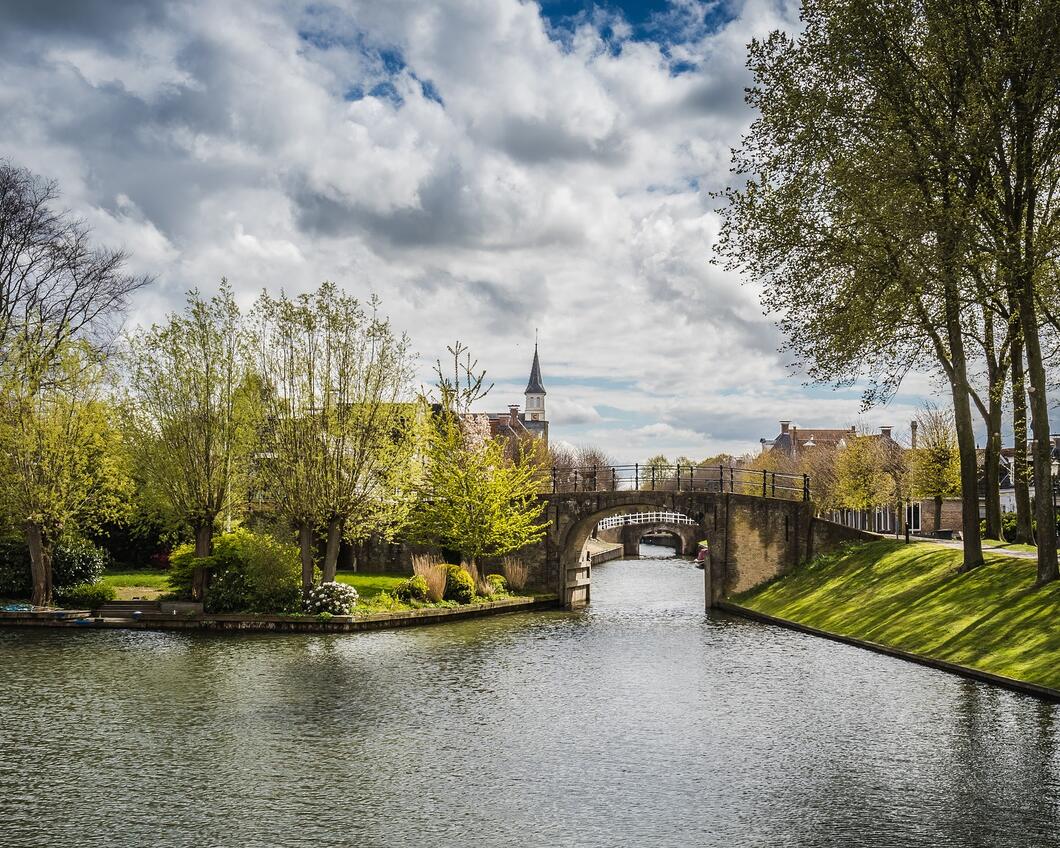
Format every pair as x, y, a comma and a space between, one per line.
513, 413
886, 431
912, 434
853, 429
784, 427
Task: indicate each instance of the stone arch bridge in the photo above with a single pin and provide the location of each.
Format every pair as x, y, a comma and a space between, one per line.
757, 528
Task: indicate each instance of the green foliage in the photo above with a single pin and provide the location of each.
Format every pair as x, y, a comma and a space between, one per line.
413, 589
251, 572
78, 561
63, 469
337, 453
473, 498
459, 585
86, 595
936, 459
498, 582
861, 479
73, 562
191, 407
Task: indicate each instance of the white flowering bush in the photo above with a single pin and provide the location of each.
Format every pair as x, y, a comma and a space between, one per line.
331, 598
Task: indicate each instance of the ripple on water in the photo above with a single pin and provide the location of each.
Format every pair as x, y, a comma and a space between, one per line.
640, 720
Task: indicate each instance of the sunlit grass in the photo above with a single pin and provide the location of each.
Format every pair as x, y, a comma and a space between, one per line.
1009, 546
911, 597
137, 584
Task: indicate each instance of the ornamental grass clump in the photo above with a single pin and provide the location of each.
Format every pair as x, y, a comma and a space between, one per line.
431, 568
331, 598
515, 572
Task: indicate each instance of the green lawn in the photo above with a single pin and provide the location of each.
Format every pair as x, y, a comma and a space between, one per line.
1009, 546
910, 597
370, 585
137, 583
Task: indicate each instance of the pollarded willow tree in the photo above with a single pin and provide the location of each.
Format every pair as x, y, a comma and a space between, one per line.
474, 497
339, 430
62, 464
190, 412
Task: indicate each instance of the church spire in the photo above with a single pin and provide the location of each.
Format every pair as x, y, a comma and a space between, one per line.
535, 386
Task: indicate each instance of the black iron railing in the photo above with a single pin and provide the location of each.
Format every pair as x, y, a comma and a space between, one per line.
681, 478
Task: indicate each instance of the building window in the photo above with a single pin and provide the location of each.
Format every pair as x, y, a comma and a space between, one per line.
912, 516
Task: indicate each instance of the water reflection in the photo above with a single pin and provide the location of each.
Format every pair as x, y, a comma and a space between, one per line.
641, 720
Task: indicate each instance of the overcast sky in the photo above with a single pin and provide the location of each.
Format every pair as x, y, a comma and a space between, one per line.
487, 167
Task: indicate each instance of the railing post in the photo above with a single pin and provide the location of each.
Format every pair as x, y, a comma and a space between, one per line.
774, 490
764, 475
596, 483
636, 476
553, 481
614, 482
653, 478
805, 487
721, 479
575, 479
732, 480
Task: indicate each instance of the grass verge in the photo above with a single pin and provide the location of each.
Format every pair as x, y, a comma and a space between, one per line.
911, 597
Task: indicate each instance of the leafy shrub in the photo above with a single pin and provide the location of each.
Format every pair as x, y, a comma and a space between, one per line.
383, 601
334, 598
250, 572
228, 591
85, 595
498, 582
413, 589
74, 562
459, 585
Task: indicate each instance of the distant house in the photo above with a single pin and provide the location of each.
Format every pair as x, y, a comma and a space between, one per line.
794, 442
532, 422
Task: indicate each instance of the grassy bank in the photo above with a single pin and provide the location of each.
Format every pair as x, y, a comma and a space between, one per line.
910, 597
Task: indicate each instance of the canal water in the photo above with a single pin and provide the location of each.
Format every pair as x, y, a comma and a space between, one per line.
639, 721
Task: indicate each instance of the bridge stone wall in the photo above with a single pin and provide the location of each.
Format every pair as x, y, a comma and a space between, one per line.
752, 539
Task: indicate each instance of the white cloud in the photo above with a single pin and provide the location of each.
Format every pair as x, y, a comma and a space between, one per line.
560, 184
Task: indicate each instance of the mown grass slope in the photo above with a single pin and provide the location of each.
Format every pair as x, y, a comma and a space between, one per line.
911, 597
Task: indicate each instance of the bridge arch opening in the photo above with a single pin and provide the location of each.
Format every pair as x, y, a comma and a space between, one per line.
626, 524
661, 537
671, 528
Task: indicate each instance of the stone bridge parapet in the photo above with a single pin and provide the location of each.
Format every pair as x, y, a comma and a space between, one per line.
752, 538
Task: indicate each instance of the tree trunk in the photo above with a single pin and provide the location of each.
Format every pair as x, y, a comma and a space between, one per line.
937, 524
203, 548
1020, 476
992, 467
305, 548
40, 559
962, 418
331, 551
1043, 472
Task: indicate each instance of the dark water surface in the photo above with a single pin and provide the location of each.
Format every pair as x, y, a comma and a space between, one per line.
640, 721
